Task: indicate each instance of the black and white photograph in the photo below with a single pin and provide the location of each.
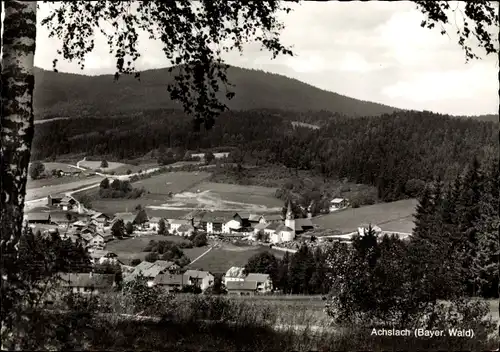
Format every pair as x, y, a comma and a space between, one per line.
228, 175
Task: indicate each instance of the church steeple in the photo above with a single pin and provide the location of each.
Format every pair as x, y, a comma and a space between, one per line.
289, 212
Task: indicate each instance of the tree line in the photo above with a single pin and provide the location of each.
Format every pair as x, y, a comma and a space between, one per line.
397, 153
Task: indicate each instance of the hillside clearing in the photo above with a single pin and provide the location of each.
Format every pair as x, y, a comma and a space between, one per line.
397, 215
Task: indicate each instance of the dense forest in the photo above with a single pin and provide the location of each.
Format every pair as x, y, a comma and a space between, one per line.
397, 153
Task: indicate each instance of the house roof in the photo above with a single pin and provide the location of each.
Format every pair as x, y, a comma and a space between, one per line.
273, 226
283, 227
257, 277
304, 223
244, 215
157, 268
235, 272
98, 215
169, 279
273, 217
87, 236
185, 228
241, 285
254, 217
217, 216
337, 200
60, 217
38, 216
67, 199
196, 273
155, 219
178, 221
98, 253
261, 226
87, 280
57, 196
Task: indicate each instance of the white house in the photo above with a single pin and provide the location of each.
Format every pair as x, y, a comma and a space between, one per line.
201, 279
97, 241
175, 224
338, 203
87, 283
154, 223
264, 282
234, 274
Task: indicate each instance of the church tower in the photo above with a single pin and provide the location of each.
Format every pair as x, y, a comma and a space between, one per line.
290, 219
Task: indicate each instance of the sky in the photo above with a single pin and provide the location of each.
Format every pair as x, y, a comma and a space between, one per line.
374, 51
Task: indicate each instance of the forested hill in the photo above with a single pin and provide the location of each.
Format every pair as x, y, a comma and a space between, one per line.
387, 151
73, 95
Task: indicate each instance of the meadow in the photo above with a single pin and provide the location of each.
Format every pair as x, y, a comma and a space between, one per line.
219, 260
94, 165
76, 183
174, 182
394, 216
132, 248
242, 194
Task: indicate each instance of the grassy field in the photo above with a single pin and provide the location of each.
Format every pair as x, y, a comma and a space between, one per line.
49, 166
175, 182
396, 215
94, 165
41, 192
244, 194
219, 260
53, 181
132, 248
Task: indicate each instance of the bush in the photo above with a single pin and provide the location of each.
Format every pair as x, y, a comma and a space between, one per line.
135, 262
152, 257
200, 240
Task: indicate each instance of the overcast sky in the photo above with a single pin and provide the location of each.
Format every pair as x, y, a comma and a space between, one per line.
374, 51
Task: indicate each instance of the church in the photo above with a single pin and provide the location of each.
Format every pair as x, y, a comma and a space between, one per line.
283, 232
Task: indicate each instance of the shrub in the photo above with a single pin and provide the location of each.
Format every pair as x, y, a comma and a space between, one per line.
152, 257
135, 262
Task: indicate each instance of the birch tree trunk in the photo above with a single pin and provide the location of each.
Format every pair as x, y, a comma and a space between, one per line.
16, 117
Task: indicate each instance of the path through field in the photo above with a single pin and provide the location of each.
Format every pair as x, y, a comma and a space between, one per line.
201, 256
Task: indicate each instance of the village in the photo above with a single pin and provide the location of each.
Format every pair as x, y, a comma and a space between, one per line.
66, 216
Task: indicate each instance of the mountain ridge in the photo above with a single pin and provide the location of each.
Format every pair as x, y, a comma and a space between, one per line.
61, 94
66, 94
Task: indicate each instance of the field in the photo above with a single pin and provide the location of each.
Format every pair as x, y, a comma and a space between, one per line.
94, 165
44, 191
219, 260
225, 197
132, 248
175, 182
394, 216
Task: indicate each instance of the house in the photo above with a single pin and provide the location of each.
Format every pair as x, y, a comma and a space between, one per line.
185, 230
97, 241
234, 225
338, 203
38, 218
150, 270
198, 278
170, 282
107, 235
63, 218
303, 225
69, 203
255, 219
264, 283
281, 234
234, 274
241, 288
261, 226
363, 229
110, 258
87, 283
87, 238
97, 254
154, 223
215, 222
100, 218
174, 224
54, 200
272, 218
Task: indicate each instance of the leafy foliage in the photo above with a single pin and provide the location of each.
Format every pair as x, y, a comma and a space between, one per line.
36, 170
